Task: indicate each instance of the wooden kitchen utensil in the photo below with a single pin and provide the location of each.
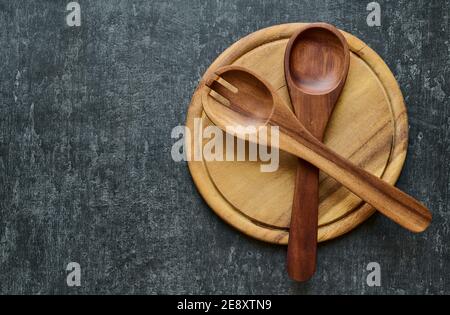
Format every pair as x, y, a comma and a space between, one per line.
316, 65
369, 127
255, 103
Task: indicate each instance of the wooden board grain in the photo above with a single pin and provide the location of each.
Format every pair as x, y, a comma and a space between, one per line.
368, 126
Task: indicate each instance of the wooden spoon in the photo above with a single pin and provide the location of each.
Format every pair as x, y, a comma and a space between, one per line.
316, 65
254, 104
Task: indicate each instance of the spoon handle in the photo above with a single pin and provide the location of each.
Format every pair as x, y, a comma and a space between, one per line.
392, 202
313, 112
302, 246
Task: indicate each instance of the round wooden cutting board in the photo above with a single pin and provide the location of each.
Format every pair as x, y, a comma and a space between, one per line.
368, 126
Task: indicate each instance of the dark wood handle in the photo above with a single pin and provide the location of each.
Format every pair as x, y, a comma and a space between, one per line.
302, 246
392, 202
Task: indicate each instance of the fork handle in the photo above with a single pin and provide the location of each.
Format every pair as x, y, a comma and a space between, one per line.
392, 202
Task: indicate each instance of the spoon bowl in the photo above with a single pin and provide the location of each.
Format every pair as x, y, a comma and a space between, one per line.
317, 60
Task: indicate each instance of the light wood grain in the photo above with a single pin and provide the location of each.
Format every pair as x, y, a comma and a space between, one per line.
371, 111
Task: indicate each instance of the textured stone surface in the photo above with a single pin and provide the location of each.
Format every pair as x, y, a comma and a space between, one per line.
85, 167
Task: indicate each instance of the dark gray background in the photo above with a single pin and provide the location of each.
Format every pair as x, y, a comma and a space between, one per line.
85, 168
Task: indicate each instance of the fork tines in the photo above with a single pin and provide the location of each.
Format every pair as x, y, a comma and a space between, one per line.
224, 90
